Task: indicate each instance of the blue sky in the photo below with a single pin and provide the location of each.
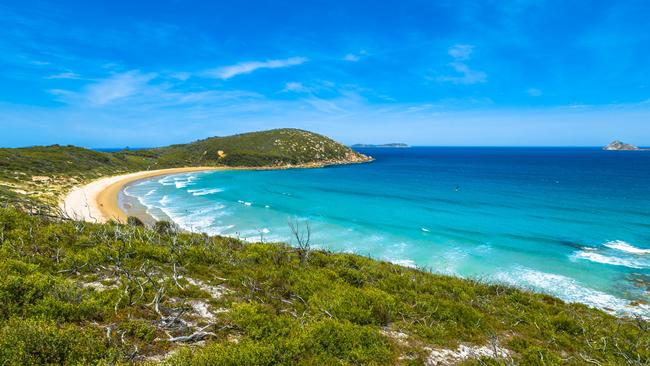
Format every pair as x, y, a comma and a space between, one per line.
448, 72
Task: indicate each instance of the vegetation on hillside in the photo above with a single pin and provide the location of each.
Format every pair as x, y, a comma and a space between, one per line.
79, 293
43, 173
267, 148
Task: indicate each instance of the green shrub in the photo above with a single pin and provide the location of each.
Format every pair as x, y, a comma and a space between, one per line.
32, 342
164, 227
134, 221
367, 305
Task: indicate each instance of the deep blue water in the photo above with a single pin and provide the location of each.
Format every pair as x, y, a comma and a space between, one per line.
572, 222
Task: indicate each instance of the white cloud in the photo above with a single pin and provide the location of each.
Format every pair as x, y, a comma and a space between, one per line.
108, 90
461, 51
295, 86
352, 57
228, 72
117, 87
355, 57
534, 92
465, 75
65, 75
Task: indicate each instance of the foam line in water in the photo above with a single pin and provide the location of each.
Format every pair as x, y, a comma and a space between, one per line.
611, 260
569, 290
204, 191
404, 262
625, 247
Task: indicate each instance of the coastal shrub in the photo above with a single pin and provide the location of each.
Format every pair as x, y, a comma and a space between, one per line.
34, 342
350, 343
325, 342
134, 221
164, 227
357, 305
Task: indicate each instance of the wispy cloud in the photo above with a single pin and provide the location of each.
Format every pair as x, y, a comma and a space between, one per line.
65, 75
295, 86
355, 57
228, 72
464, 74
117, 87
109, 90
534, 92
461, 51
148, 91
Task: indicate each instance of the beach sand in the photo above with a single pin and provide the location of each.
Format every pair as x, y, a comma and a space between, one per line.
98, 201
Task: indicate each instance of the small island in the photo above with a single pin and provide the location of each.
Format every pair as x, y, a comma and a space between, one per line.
621, 146
393, 145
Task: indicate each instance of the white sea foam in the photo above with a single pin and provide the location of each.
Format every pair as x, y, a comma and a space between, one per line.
166, 181
625, 247
404, 262
164, 200
449, 261
569, 290
611, 260
150, 192
204, 191
178, 181
200, 220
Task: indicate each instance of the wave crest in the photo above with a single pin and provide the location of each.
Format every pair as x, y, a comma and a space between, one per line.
625, 247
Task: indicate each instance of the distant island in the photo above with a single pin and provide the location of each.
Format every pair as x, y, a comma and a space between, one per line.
618, 145
394, 145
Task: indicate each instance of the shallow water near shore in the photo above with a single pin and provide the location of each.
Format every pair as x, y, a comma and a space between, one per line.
571, 222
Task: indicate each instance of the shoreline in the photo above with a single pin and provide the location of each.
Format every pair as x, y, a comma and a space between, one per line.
98, 201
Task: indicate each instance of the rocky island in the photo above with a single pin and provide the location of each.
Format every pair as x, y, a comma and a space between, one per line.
618, 145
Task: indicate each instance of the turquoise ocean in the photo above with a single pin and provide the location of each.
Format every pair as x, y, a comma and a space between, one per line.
571, 222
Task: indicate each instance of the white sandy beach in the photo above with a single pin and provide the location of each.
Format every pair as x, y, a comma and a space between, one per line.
97, 201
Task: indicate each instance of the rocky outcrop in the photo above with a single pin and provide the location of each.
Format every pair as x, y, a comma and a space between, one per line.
618, 145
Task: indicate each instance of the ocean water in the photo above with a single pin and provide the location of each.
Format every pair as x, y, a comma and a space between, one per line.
571, 222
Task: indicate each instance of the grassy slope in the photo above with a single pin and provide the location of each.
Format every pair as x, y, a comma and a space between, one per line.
266, 148
65, 166
80, 293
